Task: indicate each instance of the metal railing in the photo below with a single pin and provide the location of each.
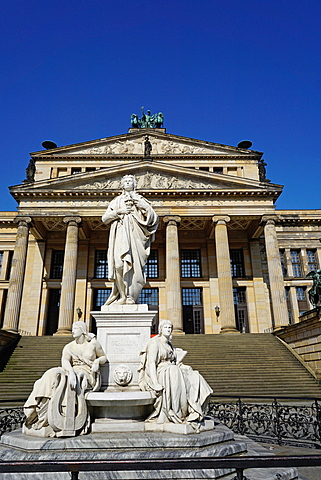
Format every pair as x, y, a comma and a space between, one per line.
237, 464
286, 420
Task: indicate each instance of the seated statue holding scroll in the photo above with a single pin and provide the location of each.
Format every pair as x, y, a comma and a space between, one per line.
56, 406
182, 394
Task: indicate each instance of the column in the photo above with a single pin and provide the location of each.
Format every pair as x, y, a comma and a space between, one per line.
173, 274
224, 275
279, 306
68, 284
11, 317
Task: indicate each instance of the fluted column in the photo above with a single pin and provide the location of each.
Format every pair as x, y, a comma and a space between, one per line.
225, 285
279, 306
11, 317
69, 275
173, 274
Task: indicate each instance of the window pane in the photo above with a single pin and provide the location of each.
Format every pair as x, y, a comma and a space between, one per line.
192, 296
239, 294
296, 265
237, 264
101, 265
312, 262
151, 267
148, 296
100, 296
191, 263
57, 263
300, 293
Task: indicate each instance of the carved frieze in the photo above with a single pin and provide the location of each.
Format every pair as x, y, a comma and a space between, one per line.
160, 147
151, 181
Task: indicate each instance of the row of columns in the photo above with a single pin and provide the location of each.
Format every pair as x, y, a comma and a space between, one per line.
174, 298
68, 284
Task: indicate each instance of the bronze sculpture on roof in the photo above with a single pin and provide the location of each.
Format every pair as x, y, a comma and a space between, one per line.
147, 120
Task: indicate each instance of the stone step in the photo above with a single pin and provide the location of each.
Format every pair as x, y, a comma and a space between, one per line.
247, 364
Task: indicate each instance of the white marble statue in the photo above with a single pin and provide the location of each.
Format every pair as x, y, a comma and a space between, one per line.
182, 394
57, 405
133, 226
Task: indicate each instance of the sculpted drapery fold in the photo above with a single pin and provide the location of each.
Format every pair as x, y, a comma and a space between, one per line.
133, 227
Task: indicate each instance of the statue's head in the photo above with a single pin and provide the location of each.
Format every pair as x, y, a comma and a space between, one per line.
128, 182
80, 328
164, 323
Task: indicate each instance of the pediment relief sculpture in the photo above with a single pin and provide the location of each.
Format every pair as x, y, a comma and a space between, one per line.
135, 146
152, 181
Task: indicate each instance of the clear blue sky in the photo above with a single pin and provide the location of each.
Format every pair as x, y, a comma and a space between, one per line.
219, 70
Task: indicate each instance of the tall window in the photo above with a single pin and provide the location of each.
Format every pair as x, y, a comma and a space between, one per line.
240, 307
296, 264
193, 318
312, 261
191, 263
192, 296
100, 297
57, 263
282, 262
101, 265
302, 300
151, 267
237, 262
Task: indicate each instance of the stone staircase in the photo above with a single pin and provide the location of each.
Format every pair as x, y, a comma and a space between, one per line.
244, 365
30, 359
247, 364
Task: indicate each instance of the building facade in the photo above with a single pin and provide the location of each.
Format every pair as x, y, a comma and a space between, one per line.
223, 260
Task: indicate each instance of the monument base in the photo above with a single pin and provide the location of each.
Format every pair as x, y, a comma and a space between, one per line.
220, 442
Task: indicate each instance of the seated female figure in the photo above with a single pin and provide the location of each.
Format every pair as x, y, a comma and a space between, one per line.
182, 394
57, 405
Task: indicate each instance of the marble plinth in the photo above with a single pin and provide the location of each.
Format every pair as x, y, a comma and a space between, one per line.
218, 442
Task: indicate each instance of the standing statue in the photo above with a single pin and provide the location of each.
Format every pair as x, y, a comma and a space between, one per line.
56, 406
147, 120
30, 171
133, 227
147, 147
182, 394
315, 292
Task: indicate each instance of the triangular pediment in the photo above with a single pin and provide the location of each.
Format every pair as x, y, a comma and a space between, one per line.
132, 143
150, 176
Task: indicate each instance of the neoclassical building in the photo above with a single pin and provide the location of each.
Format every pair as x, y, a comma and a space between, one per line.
223, 260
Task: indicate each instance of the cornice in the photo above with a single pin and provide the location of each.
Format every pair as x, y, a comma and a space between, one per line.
152, 193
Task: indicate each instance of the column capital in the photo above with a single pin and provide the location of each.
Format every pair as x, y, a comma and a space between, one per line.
269, 219
24, 220
221, 219
72, 220
172, 220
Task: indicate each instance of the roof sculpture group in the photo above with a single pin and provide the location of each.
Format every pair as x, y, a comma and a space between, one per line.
147, 120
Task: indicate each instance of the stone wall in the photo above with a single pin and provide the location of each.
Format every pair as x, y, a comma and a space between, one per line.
305, 339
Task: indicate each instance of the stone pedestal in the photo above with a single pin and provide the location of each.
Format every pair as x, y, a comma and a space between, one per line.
123, 331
